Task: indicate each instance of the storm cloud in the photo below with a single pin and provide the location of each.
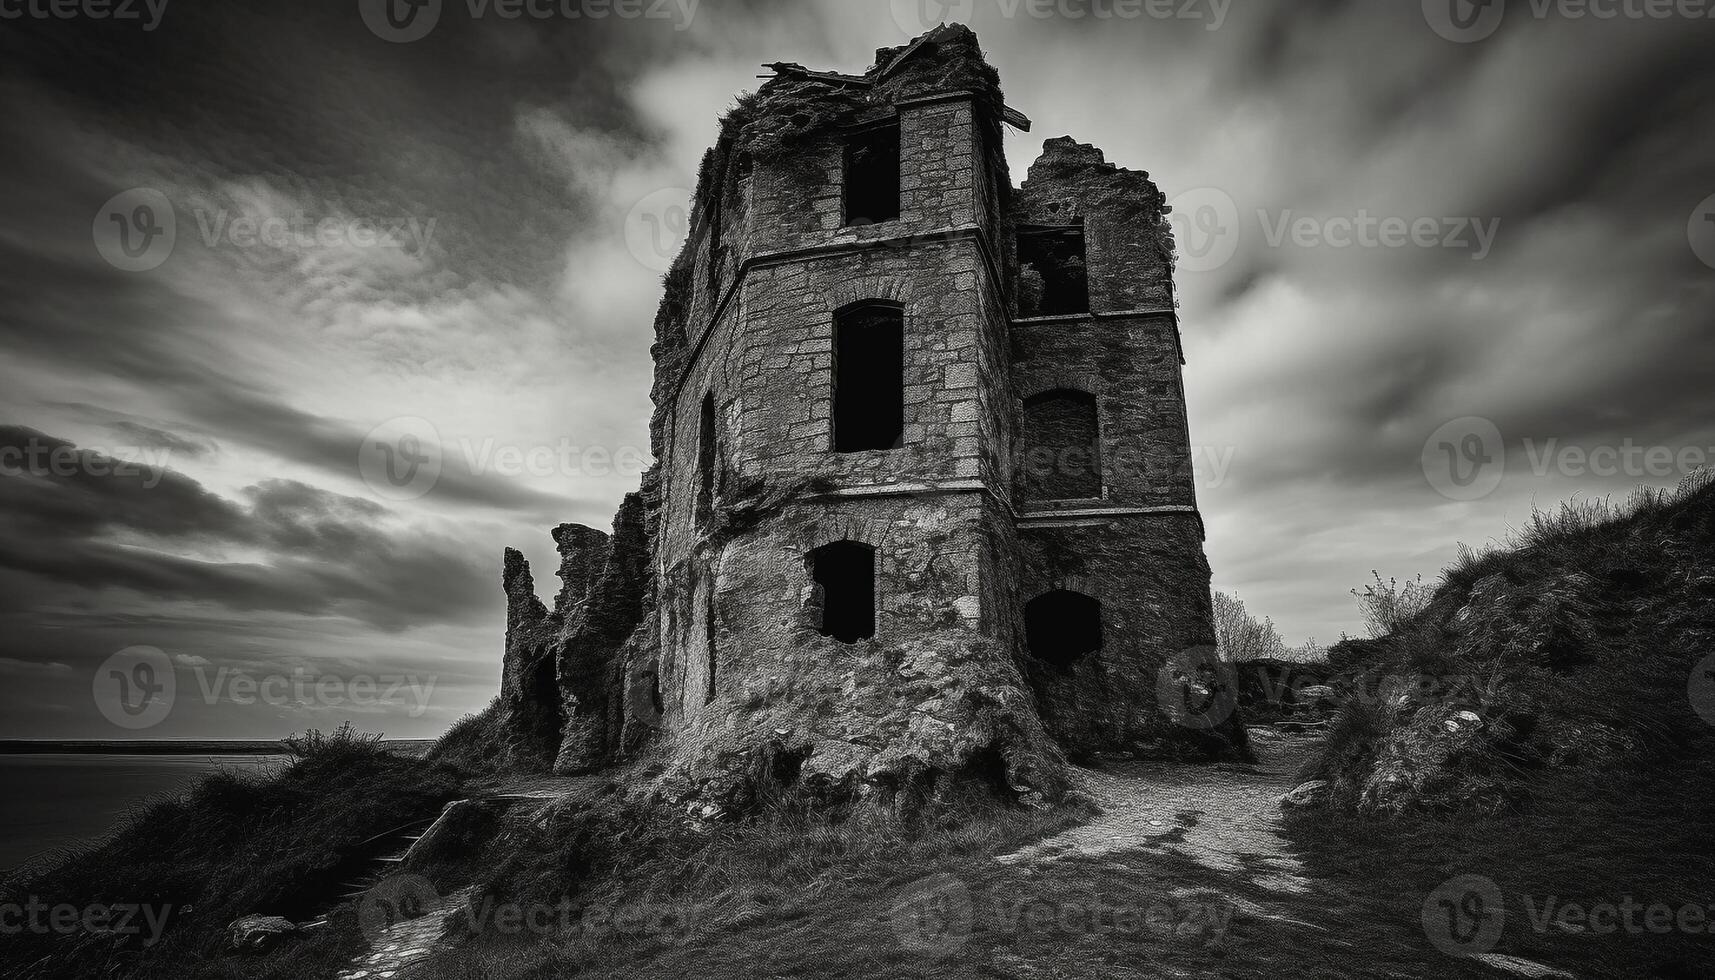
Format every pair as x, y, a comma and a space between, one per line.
1383, 231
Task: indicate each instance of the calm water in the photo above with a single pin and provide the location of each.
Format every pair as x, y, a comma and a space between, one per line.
50, 801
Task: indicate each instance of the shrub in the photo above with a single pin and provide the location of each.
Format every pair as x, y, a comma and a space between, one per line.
344, 744
1388, 606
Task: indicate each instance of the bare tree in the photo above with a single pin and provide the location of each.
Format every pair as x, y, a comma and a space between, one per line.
1239, 636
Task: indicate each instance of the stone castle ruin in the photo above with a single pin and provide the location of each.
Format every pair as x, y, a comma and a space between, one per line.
922, 506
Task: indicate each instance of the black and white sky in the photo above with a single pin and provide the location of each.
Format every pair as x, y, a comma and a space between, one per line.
1441, 262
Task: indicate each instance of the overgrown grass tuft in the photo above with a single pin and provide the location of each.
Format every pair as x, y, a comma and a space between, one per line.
643, 879
476, 743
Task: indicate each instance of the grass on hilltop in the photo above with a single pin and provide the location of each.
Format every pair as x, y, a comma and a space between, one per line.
235, 845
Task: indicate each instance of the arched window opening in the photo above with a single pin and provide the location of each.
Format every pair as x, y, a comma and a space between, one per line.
844, 573
1061, 441
1062, 627
869, 377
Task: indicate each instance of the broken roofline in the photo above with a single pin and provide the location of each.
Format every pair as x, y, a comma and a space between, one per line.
1012, 117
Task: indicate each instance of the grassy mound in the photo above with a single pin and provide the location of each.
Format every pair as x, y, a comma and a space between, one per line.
475, 743
1570, 649
599, 888
234, 846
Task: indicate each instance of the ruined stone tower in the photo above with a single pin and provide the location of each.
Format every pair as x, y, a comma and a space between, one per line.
922, 504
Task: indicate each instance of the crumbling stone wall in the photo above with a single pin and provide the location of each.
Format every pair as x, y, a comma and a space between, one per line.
699, 641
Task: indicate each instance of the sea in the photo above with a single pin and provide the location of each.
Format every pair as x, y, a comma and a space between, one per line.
51, 801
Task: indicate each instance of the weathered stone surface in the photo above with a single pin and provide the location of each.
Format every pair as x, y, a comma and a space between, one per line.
1313, 793
583, 554
1518, 966
701, 640
258, 933
528, 700
592, 668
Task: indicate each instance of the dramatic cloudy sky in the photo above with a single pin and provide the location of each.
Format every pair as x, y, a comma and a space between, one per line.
478, 222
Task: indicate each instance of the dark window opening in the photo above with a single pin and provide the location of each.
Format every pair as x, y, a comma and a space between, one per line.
872, 176
1062, 627
1052, 280
1061, 442
869, 378
717, 263
845, 574
706, 457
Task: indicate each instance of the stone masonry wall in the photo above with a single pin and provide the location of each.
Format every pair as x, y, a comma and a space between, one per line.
697, 642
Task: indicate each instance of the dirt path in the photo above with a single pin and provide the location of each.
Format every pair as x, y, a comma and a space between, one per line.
1225, 817
404, 944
